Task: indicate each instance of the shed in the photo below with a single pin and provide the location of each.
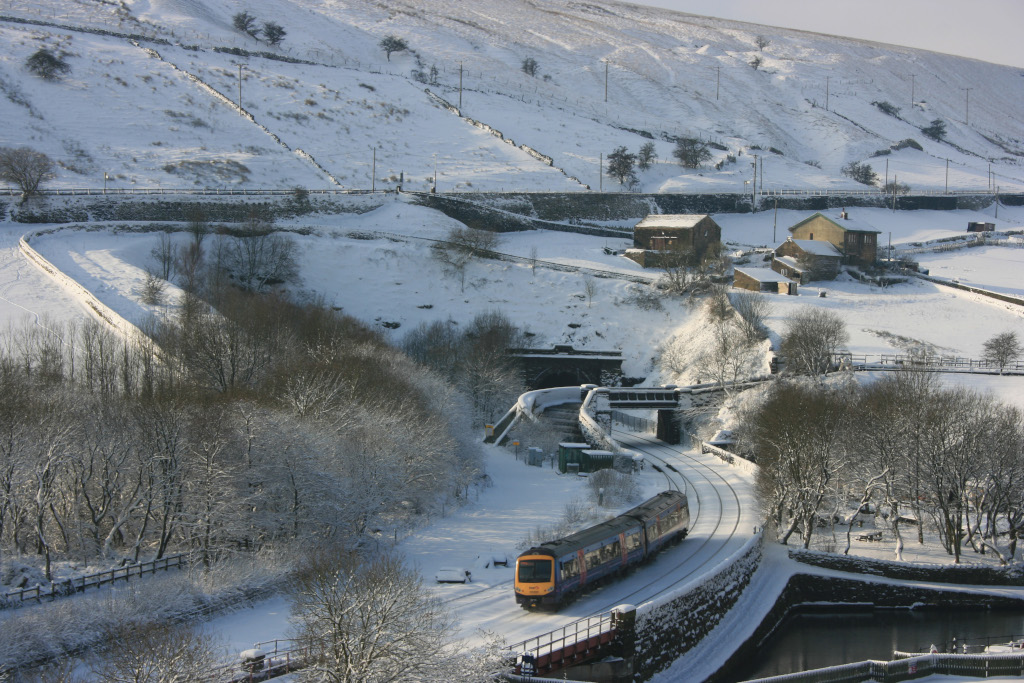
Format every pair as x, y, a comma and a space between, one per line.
980, 226
763, 280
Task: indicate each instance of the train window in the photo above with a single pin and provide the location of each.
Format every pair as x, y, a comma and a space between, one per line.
633, 541
593, 558
535, 571
570, 569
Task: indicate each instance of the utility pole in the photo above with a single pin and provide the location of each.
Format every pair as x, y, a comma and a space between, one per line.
753, 188
947, 176
239, 89
967, 107
718, 80
776, 223
826, 91
886, 174
606, 80
912, 77
435, 174
762, 175
460, 87
373, 173
600, 173
894, 193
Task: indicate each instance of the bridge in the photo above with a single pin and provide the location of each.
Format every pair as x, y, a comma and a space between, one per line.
564, 365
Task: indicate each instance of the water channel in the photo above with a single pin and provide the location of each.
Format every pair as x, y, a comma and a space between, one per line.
820, 639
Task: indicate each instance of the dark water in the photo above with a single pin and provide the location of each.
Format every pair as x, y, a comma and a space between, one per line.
813, 641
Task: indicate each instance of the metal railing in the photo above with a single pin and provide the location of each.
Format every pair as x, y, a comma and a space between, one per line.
555, 641
81, 583
284, 657
972, 666
914, 362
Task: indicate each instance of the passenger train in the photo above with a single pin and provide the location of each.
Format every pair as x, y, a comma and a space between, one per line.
553, 573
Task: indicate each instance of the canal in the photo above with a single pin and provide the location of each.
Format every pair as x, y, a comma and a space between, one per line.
820, 639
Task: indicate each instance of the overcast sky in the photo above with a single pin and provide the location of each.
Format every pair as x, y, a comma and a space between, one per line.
991, 30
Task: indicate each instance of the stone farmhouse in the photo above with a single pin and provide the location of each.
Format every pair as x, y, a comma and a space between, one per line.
689, 235
855, 240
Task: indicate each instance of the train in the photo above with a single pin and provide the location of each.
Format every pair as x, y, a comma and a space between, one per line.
554, 573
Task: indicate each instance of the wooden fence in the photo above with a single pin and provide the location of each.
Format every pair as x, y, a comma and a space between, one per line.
78, 585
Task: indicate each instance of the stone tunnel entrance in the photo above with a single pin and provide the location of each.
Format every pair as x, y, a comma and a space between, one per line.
564, 366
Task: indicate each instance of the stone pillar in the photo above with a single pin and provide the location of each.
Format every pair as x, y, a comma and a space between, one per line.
624, 643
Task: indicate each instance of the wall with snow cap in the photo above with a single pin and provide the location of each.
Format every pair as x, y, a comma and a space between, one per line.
668, 628
231, 208
1012, 575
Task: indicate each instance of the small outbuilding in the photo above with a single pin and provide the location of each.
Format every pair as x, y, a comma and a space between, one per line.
763, 280
980, 226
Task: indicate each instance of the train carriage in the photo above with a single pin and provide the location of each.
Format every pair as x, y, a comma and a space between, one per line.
552, 573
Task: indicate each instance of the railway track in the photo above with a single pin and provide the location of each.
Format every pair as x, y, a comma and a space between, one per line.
716, 496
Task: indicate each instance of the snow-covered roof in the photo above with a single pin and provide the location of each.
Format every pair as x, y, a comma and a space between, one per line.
817, 247
762, 274
835, 216
790, 262
672, 220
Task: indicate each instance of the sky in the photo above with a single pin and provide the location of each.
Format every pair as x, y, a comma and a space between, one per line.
983, 29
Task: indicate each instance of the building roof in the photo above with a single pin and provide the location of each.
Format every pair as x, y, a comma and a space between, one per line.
763, 274
834, 216
671, 220
790, 262
817, 247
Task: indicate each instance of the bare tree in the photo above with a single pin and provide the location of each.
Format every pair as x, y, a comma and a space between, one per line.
258, 256
156, 654
1002, 349
762, 42
26, 168
461, 247
753, 309
589, 288
370, 620
813, 336
164, 254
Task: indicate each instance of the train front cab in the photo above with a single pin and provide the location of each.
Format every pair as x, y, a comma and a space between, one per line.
535, 580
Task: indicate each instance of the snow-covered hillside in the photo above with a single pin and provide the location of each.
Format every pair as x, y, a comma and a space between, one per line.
160, 111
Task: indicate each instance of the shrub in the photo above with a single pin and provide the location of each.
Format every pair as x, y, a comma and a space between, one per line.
273, 33
47, 65
691, 152
895, 187
909, 142
888, 108
862, 173
530, 66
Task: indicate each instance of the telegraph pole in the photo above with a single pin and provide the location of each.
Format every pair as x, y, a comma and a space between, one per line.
826, 92
606, 80
239, 89
460, 87
718, 80
967, 107
912, 77
947, 176
753, 188
373, 173
600, 173
776, 223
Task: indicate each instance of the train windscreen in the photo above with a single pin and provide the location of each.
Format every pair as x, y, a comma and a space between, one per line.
535, 571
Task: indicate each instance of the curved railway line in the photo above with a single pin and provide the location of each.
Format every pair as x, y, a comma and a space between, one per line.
716, 517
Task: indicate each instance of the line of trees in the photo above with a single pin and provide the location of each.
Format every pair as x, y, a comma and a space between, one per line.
904, 446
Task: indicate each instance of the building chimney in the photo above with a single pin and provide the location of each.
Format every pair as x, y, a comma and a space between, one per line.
845, 216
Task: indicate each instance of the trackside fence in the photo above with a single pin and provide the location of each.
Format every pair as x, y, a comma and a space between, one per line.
268, 659
60, 589
971, 666
939, 363
549, 646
